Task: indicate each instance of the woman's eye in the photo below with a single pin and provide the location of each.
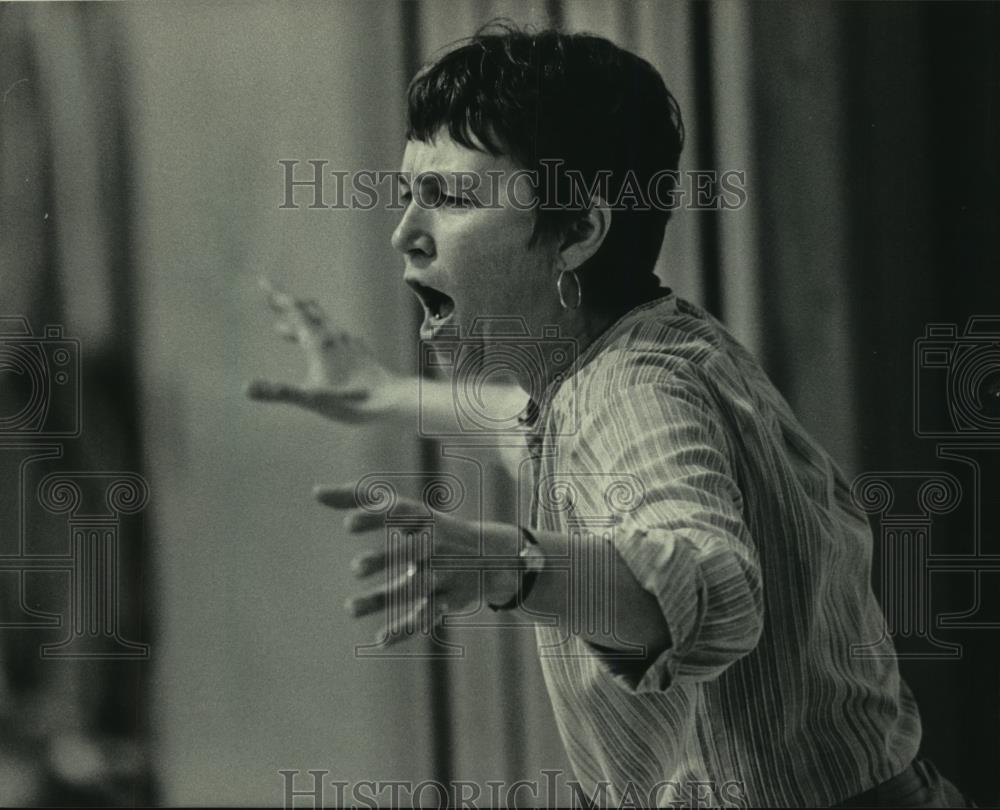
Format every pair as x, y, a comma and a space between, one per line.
457, 202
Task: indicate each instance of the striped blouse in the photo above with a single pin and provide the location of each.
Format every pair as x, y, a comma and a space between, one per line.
780, 686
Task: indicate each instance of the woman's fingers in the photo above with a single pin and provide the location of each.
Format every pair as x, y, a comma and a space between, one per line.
402, 591
277, 299
299, 317
397, 596
336, 497
416, 620
360, 521
415, 599
266, 391
290, 323
312, 311
346, 496
280, 303
307, 310
425, 614
341, 404
286, 331
371, 562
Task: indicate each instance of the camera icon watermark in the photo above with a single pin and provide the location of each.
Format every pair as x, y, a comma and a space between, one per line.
41, 375
957, 381
495, 351
956, 402
40, 412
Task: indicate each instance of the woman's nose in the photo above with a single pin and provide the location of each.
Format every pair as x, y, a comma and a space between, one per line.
412, 233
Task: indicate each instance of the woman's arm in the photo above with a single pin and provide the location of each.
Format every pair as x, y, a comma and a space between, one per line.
416, 590
346, 383
634, 617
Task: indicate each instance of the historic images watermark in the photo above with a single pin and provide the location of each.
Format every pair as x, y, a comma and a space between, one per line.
956, 404
41, 409
311, 185
314, 788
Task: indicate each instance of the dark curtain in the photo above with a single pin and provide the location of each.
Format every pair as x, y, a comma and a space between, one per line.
877, 128
922, 85
73, 717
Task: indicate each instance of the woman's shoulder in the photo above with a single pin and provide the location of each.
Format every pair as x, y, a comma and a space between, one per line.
667, 347
669, 339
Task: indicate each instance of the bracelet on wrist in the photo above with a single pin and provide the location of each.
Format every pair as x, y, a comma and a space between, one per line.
530, 563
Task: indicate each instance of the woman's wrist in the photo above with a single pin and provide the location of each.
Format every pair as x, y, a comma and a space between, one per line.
501, 579
521, 576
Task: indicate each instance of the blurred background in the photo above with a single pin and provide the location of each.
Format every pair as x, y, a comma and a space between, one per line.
139, 203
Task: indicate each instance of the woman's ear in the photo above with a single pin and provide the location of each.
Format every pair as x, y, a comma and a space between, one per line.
585, 235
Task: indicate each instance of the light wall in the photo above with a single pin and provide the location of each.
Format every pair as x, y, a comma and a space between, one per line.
254, 665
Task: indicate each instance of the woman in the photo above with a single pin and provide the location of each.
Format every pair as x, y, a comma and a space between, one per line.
729, 573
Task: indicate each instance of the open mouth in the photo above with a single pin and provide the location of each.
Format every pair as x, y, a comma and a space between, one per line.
438, 307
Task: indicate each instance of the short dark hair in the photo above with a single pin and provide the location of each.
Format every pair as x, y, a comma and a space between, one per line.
576, 98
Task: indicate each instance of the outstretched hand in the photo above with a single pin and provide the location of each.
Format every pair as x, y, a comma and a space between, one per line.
421, 584
343, 381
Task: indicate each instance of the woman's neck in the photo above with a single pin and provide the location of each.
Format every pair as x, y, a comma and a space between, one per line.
578, 328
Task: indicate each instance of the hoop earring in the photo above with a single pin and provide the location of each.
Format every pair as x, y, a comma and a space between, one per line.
559, 289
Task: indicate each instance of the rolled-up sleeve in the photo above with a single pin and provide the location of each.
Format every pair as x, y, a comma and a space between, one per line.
685, 540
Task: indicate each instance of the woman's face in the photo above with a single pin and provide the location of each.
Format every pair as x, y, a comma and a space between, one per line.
469, 261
